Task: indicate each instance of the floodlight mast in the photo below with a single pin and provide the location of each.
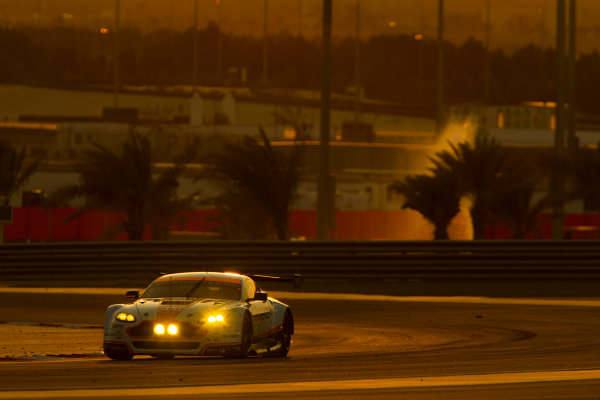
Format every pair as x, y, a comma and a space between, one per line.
195, 50
116, 60
324, 204
440, 70
558, 182
572, 142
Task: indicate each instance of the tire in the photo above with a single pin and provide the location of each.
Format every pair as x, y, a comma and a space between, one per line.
246, 339
286, 335
118, 355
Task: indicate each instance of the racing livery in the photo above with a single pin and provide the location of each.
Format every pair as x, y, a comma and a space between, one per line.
199, 313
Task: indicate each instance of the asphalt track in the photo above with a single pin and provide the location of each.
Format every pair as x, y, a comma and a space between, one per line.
346, 346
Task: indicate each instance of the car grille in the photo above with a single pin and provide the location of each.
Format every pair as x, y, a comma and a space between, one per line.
165, 345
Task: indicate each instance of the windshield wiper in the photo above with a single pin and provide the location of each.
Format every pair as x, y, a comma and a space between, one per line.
196, 286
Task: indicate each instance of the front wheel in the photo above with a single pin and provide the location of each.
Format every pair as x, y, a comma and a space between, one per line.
286, 336
246, 339
118, 355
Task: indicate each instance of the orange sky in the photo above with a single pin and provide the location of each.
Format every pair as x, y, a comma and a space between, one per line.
514, 22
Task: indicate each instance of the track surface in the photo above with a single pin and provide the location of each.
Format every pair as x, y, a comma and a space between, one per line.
345, 346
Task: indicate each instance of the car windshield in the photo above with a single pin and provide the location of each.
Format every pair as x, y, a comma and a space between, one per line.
196, 288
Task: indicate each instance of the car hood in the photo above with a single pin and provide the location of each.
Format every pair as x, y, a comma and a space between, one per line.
180, 308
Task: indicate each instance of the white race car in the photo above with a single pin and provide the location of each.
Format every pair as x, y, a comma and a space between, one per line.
200, 313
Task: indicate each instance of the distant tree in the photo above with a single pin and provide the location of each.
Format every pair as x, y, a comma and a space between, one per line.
518, 210
165, 205
68, 55
125, 183
257, 185
436, 197
240, 216
530, 80
484, 171
14, 171
582, 170
466, 64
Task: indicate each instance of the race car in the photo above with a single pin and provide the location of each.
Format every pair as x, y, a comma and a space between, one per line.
200, 313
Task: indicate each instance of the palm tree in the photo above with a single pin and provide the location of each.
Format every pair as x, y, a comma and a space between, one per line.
583, 171
257, 182
581, 167
436, 197
124, 183
484, 171
518, 211
14, 172
238, 217
166, 205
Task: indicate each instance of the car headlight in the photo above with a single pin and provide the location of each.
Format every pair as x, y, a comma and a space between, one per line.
216, 318
125, 317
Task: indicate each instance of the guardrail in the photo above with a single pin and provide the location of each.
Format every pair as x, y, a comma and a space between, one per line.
124, 261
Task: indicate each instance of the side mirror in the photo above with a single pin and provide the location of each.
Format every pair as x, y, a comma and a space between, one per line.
133, 294
261, 296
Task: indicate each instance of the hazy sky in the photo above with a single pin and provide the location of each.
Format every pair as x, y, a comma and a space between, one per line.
514, 22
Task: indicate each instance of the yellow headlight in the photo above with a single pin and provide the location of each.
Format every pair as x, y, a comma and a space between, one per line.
159, 329
215, 318
172, 329
126, 317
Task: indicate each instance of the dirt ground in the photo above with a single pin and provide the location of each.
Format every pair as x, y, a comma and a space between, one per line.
23, 341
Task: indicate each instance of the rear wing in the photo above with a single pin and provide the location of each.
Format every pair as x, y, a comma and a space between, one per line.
296, 280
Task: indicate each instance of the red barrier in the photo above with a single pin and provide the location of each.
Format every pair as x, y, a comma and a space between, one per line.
40, 224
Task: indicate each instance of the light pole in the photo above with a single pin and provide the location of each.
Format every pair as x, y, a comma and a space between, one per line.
440, 68
195, 50
196, 101
357, 67
542, 32
116, 56
571, 72
218, 42
38, 20
559, 134
419, 38
487, 73
265, 39
300, 11
324, 203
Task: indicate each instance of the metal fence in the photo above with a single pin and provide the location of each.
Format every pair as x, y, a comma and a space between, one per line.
490, 259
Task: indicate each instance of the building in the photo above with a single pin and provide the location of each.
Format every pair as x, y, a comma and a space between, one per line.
388, 143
